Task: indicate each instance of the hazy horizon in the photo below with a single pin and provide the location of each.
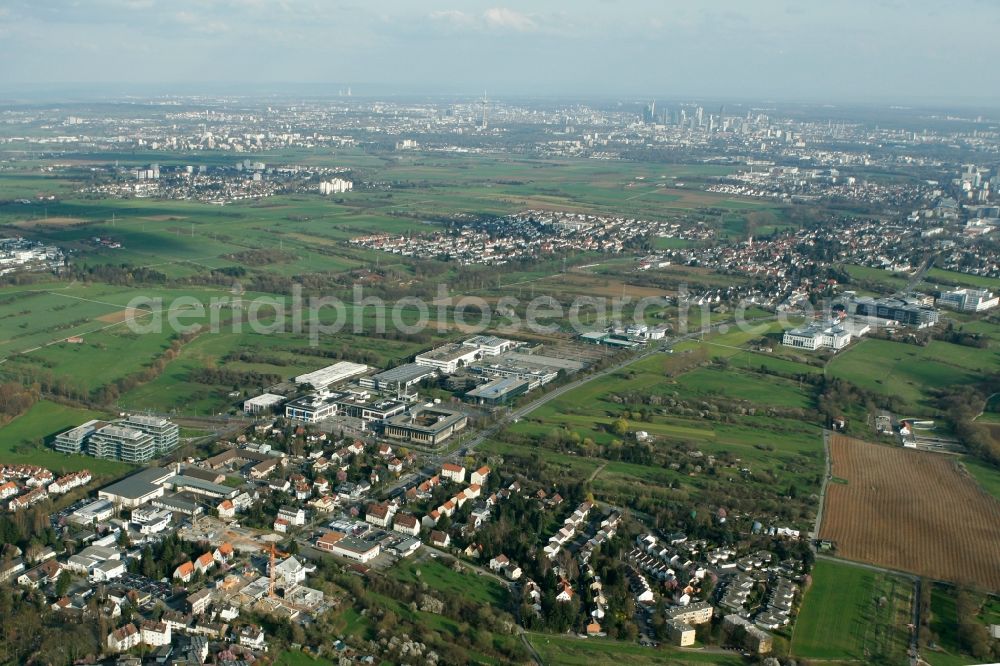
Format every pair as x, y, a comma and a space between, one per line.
884, 52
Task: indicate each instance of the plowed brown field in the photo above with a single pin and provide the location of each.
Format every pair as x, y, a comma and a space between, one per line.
913, 511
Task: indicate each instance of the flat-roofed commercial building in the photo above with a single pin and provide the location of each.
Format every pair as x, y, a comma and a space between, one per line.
332, 374
968, 300
818, 335
74, 440
490, 345
313, 408
262, 403
448, 358
165, 434
116, 442
499, 391
348, 546
99, 510
425, 425
363, 405
138, 489
195, 486
906, 310
399, 378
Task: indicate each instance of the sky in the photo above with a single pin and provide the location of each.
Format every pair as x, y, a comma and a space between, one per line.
843, 51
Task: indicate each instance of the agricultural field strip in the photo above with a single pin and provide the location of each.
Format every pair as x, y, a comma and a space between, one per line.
911, 511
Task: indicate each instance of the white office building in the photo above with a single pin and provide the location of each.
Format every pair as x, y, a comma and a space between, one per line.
968, 300
830, 334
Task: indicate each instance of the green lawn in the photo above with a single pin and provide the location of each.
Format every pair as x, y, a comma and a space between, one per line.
741, 385
572, 651
910, 371
438, 576
944, 620
296, 658
841, 618
27, 439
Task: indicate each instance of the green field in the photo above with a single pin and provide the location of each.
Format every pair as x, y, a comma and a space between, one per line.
572, 651
843, 617
987, 476
883, 279
26, 439
740, 385
963, 279
910, 371
438, 576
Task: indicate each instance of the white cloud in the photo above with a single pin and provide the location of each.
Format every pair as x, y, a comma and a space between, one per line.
501, 17
495, 18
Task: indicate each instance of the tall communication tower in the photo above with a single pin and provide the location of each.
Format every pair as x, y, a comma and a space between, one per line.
485, 107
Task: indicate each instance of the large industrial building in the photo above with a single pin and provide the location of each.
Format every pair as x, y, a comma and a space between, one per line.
332, 374
399, 378
449, 358
138, 489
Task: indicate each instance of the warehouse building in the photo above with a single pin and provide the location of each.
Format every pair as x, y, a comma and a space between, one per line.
332, 374
138, 489
399, 378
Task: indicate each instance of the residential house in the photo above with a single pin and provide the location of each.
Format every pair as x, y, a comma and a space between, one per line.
224, 553
479, 476
293, 515
184, 572
379, 514
453, 472
252, 636
406, 523
124, 638
155, 634
226, 510
199, 601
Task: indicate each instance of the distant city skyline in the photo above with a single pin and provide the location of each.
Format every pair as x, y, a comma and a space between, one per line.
883, 51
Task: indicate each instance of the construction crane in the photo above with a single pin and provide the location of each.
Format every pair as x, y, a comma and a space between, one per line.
270, 570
